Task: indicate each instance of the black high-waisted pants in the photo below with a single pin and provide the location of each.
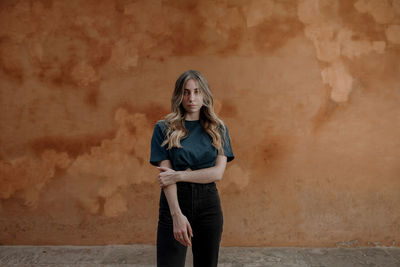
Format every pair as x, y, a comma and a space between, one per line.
201, 205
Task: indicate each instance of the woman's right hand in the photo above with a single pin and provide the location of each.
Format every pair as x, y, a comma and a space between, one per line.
182, 229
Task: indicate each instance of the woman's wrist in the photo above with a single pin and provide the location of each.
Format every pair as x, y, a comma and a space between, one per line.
176, 213
179, 176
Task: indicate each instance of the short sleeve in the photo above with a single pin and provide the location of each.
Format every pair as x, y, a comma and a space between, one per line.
158, 153
227, 146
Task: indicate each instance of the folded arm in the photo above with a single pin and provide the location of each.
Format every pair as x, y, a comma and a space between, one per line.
171, 191
168, 176
182, 229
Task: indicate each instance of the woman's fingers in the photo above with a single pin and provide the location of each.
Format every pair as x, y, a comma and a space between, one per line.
163, 169
190, 230
178, 238
162, 182
166, 176
165, 180
190, 233
183, 238
186, 239
182, 230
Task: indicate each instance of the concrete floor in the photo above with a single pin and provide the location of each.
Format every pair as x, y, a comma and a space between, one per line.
144, 255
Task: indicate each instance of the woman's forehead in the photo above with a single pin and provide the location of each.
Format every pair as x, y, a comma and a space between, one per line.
191, 84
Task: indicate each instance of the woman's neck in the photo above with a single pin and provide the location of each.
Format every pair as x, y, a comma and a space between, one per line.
192, 116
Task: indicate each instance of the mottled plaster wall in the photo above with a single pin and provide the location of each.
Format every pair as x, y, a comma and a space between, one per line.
310, 91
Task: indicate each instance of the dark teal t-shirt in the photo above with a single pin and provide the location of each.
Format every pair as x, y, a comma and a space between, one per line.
197, 151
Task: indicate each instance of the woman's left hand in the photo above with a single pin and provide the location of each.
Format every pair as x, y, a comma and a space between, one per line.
167, 176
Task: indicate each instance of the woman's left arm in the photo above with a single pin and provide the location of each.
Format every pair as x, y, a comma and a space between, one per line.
168, 176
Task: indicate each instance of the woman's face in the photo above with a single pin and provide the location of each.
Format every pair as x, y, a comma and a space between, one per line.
192, 100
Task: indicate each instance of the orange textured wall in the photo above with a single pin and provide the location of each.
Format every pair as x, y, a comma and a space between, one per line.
309, 89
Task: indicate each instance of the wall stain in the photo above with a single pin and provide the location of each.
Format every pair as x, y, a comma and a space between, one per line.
233, 42
271, 148
83, 144
153, 111
364, 68
187, 43
228, 109
92, 97
363, 24
7, 5
188, 6
98, 53
58, 76
13, 72
48, 4
324, 114
272, 34
73, 146
10, 63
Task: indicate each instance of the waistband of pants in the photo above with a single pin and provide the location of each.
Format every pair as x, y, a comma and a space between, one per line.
196, 186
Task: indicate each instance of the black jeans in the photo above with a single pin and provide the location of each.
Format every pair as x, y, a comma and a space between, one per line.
201, 205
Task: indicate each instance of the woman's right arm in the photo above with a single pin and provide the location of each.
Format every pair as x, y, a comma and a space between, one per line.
182, 229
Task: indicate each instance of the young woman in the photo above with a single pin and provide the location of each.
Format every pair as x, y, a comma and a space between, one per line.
191, 147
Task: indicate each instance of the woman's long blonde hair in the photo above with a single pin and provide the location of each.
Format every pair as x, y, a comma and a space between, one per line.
175, 121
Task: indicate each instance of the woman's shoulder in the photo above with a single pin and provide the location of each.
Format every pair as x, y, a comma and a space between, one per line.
164, 123
161, 125
221, 126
